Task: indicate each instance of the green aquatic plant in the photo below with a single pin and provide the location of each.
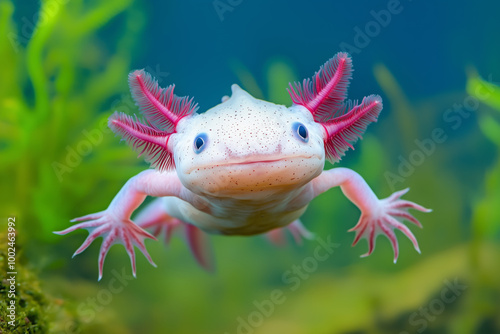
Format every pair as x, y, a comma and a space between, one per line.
56, 92
486, 217
439, 113
61, 76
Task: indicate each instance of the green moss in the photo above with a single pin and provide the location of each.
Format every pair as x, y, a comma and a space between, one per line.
35, 311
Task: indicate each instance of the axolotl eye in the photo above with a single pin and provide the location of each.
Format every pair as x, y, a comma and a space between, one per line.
300, 131
200, 142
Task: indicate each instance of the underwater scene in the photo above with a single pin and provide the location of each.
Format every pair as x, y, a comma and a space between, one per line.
423, 80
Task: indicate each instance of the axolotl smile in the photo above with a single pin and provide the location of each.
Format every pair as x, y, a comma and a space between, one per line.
245, 144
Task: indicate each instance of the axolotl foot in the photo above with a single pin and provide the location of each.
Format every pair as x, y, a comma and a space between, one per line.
296, 228
384, 219
113, 230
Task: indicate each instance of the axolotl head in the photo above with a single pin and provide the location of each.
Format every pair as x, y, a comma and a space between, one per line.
245, 146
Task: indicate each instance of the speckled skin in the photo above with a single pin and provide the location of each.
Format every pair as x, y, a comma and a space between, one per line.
253, 174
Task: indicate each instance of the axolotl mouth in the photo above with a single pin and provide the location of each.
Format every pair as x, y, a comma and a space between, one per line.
251, 175
251, 162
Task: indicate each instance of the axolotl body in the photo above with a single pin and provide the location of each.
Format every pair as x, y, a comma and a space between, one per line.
244, 167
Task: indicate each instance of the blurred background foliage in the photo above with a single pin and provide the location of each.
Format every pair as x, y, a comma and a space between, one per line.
64, 72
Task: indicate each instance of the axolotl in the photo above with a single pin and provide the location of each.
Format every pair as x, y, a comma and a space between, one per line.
243, 167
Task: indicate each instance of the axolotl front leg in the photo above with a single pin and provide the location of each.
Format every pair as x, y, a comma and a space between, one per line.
114, 223
164, 110
378, 216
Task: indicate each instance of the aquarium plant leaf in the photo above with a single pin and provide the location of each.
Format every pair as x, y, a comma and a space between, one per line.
490, 128
483, 90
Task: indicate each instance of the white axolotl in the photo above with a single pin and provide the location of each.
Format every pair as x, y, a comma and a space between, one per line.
244, 167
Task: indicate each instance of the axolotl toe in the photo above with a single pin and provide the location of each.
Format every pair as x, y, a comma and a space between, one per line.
243, 167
